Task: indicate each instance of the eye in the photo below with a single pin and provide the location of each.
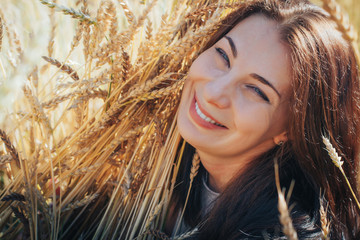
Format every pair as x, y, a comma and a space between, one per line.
223, 55
259, 93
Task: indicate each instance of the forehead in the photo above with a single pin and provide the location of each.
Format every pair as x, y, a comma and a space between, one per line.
257, 39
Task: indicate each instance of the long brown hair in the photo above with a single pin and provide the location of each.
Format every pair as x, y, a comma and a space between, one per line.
325, 101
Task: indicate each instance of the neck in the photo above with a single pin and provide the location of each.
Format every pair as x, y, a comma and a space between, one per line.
221, 171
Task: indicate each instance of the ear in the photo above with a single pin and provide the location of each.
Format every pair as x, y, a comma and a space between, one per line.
281, 138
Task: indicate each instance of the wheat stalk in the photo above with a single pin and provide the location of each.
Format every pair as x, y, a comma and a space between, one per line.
193, 172
69, 11
336, 159
285, 219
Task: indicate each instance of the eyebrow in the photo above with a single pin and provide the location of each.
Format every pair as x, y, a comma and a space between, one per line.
254, 75
264, 81
232, 45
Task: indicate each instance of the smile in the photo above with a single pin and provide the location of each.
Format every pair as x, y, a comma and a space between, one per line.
204, 117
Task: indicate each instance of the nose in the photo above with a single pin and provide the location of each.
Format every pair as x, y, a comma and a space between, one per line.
218, 92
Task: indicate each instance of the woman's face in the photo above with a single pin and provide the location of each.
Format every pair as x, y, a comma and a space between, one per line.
235, 100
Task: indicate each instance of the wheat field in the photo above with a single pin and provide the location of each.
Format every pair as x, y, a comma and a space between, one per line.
88, 97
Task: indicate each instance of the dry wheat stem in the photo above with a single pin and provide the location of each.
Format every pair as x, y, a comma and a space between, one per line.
285, 219
69, 11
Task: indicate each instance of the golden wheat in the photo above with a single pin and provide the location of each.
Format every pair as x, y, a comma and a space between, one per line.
285, 218
343, 23
69, 11
112, 126
85, 201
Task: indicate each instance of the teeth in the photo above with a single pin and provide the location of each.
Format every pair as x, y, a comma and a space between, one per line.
203, 116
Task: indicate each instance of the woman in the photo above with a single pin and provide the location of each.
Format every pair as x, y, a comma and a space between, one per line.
275, 78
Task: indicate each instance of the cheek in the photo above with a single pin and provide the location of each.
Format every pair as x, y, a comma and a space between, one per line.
252, 119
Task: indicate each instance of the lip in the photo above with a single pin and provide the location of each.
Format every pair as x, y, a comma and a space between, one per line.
198, 120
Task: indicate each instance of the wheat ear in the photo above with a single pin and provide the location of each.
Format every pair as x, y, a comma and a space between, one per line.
193, 172
87, 199
343, 24
128, 13
14, 197
285, 219
10, 147
153, 215
64, 67
38, 111
325, 224
157, 234
186, 235
5, 159
69, 11
336, 159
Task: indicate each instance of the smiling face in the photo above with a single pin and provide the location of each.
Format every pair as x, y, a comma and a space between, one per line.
234, 103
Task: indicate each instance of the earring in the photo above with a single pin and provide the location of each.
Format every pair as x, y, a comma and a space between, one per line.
280, 143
